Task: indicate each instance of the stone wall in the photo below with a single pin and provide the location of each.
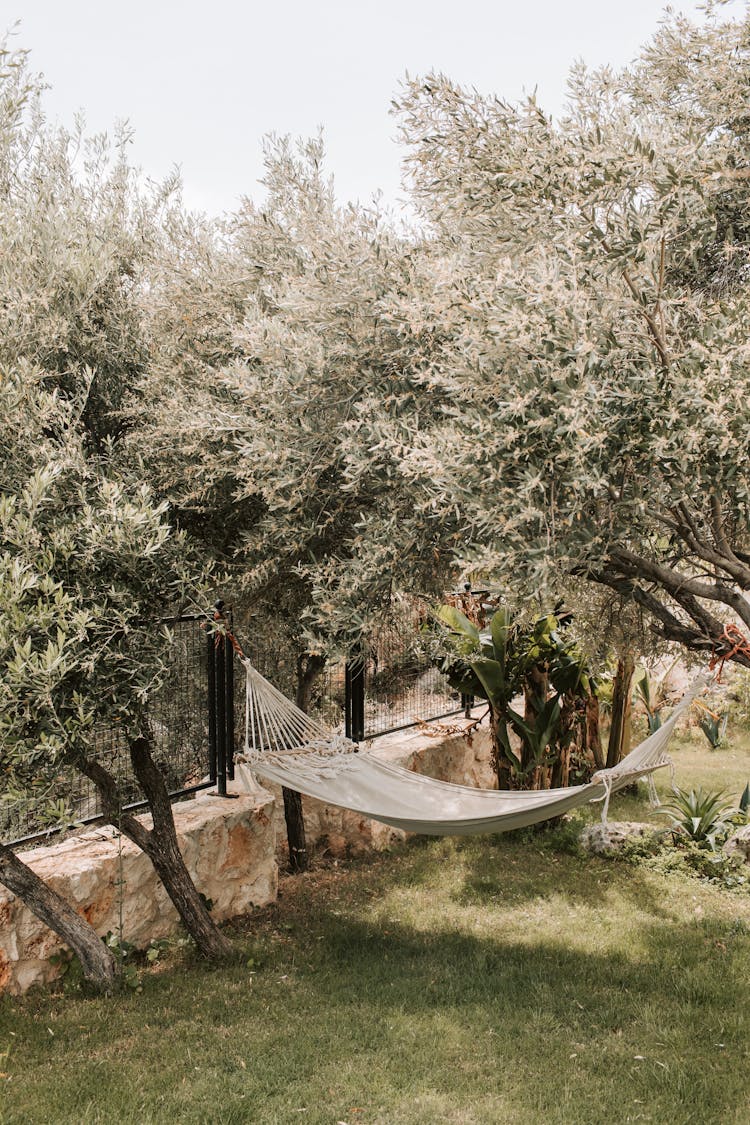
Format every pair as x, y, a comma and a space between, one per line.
229, 849
232, 849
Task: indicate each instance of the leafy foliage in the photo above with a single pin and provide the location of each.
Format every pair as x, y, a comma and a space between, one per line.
713, 726
499, 664
275, 347
89, 562
595, 274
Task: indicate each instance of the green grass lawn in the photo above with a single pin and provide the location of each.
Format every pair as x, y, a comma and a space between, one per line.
499, 979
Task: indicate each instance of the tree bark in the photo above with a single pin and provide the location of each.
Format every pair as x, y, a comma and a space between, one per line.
164, 852
535, 692
497, 758
160, 844
675, 597
97, 961
619, 731
295, 830
593, 731
309, 668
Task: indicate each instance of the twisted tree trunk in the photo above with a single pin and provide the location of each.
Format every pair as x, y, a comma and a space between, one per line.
295, 830
593, 731
309, 668
163, 849
619, 731
97, 961
160, 844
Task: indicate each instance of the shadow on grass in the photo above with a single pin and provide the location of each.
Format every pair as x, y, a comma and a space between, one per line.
511, 868
417, 1010
527, 867
483, 1013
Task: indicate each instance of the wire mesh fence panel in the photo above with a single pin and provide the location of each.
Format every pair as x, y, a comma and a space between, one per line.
402, 687
400, 683
178, 720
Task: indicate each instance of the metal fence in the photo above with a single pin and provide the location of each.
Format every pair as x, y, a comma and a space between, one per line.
197, 717
388, 685
181, 746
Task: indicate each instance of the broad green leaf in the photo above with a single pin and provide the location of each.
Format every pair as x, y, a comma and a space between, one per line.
499, 629
457, 621
490, 674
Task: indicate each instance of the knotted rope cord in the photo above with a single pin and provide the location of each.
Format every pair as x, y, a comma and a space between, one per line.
738, 642
273, 723
651, 761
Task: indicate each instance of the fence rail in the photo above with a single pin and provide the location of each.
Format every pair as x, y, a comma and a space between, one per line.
179, 729
198, 715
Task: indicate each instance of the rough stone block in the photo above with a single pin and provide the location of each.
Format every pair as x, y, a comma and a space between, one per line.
603, 839
229, 849
738, 845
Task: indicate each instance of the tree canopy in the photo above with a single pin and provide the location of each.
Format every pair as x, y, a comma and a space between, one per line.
89, 562
597, 374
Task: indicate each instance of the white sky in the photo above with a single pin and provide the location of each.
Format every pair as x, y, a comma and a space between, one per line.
201, 81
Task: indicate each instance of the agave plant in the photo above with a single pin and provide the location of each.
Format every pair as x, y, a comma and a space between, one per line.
699, 816
714, 727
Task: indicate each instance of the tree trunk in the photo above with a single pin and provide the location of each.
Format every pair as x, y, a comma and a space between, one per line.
159, 844
295, 830
97, 961
163, 850
560, 771
619, 731
593, 730
309, 668
535, 692
498, 757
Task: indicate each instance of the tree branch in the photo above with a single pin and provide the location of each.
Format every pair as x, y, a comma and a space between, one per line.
683, 589
706, 633
111, 799
688, 531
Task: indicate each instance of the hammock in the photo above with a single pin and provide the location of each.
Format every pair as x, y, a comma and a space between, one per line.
286, 746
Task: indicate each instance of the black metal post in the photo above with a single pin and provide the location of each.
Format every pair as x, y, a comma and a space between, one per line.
221, 718
354, 698
211, 665
467, 702
229, 705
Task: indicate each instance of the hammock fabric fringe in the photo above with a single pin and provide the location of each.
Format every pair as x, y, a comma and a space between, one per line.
286, 746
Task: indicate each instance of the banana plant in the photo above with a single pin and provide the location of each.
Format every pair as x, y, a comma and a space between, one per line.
644, 693
494, 664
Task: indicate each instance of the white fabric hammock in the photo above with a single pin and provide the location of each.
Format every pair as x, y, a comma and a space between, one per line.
286, 746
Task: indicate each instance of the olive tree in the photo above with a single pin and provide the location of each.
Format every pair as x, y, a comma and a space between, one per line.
277, 340
89, 560
277, 337
597, 283
88, 564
